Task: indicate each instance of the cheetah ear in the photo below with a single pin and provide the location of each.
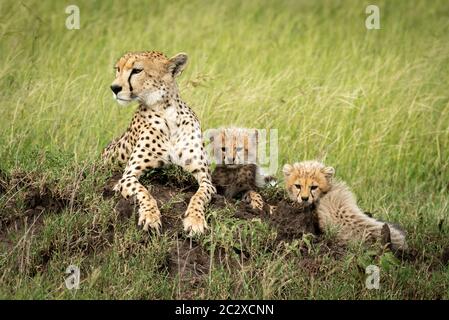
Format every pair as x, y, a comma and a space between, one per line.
177, 64
328, 172
287, 170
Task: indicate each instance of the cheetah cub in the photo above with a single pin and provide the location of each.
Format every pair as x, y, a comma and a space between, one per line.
164, 130
234, 151
312, 183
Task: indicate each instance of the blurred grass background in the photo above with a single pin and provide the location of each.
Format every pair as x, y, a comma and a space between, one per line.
372, 103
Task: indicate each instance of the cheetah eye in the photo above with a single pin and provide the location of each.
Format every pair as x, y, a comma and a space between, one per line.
298, 186
313, 187
117, 69
136, 71
223, 149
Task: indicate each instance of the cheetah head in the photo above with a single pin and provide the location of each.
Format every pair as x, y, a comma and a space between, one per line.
307, 181
147, 77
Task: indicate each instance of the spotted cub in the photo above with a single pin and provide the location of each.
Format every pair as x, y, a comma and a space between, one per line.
234, 151
312, 183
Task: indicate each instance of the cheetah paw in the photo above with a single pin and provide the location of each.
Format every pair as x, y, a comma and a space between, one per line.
257, 205
254, 200
194, 224
150, 218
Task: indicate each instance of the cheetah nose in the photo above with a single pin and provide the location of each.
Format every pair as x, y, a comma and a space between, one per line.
116, 89
305, 198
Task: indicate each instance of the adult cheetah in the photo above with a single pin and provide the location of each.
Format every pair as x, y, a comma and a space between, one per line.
164, 130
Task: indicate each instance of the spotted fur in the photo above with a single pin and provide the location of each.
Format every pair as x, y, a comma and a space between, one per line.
164, 130
311, 182
234, 150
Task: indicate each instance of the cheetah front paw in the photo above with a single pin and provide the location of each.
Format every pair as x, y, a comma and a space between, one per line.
254, 200
257, 204
150, 218
194, 223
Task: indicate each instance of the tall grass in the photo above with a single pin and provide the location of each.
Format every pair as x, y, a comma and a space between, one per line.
372, 103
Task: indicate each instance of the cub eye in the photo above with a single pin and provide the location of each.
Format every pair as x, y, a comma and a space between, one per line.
313, 187
136, 71
223, 149
298, 186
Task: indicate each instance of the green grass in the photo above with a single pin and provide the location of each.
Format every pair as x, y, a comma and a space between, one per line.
374, 104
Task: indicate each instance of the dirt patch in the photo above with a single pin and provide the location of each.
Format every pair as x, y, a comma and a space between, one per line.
29, 198
25, 198
191, 262
187, 258
290, 220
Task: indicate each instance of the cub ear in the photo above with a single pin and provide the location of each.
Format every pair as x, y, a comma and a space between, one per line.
328, 172
177, 64
287, 170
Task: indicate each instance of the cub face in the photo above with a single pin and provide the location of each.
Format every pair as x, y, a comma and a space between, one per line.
146, 76
234, 146
307, 181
